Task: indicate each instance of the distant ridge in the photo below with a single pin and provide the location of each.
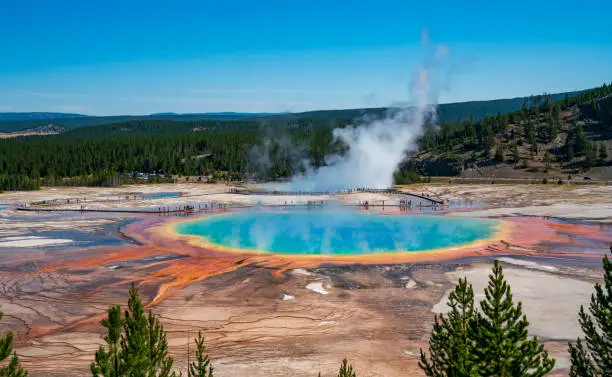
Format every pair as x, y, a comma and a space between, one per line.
19, 116
13, 122
222, 114
86, 121
37, 115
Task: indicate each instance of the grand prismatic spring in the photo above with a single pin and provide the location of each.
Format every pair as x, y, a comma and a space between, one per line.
335, 232
256, 272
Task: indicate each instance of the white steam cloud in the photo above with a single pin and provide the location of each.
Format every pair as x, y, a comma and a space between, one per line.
376, 147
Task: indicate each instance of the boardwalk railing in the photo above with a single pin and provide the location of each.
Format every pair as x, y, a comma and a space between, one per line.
389, 191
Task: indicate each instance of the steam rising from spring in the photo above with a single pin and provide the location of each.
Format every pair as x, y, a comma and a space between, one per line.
376, 147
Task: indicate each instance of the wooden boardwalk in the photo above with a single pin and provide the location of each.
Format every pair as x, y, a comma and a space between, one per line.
81, 204
394, 192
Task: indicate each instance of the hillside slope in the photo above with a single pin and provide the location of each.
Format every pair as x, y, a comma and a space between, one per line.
36, 116
88, 121
544, 138
446, 112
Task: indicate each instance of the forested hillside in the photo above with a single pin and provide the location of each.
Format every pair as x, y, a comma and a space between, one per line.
66, 122
38, 116
568, 134
450, 112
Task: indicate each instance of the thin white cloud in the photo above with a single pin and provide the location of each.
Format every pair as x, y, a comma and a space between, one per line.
206, 101
266, 91
72, 109
241, 91
49, 95
442, 51
425, 37
369, 99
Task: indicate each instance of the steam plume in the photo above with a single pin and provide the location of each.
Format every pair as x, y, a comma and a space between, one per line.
377, 146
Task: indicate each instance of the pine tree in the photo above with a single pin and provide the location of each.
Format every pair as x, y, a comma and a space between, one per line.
580, 140
134, 350
603, 152
502, 344
547, 159
201, 367
570, 152
489, 137
593, 357
13, 369
136, 344
554, 128
499, 154
159, 363
346, 370
590, 153
451, 347
516, 155
534, 144
107, 362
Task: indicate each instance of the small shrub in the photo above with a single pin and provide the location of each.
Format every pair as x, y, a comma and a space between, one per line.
407, 177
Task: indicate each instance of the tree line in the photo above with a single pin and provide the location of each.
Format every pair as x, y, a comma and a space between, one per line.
115, 154
491, 341
538, 122
269, 149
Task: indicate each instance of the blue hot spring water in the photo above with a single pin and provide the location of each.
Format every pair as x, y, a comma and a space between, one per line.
339, 232
161, 195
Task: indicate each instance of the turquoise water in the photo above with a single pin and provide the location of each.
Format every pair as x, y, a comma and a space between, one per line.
161, 195
336, 232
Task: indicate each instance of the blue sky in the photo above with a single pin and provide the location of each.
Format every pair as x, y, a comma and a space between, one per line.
139, 57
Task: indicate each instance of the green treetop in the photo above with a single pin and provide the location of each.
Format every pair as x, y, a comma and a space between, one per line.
346, 370
13, 369
592, 356
501, 338
451, 347
201, 367
136, 344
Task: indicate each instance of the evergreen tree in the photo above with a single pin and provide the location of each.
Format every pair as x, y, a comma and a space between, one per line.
134, 350
13, 369
136, 344
502, 344
201, 367
590, 153
106, 363
346, 370
553, 127
603, 152
580, 140
451, 347
515, 154
499, 154
547, 159
534, 143
159, 362
593, 357
490, 141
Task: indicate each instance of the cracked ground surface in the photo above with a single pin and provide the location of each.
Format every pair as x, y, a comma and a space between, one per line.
264, 319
